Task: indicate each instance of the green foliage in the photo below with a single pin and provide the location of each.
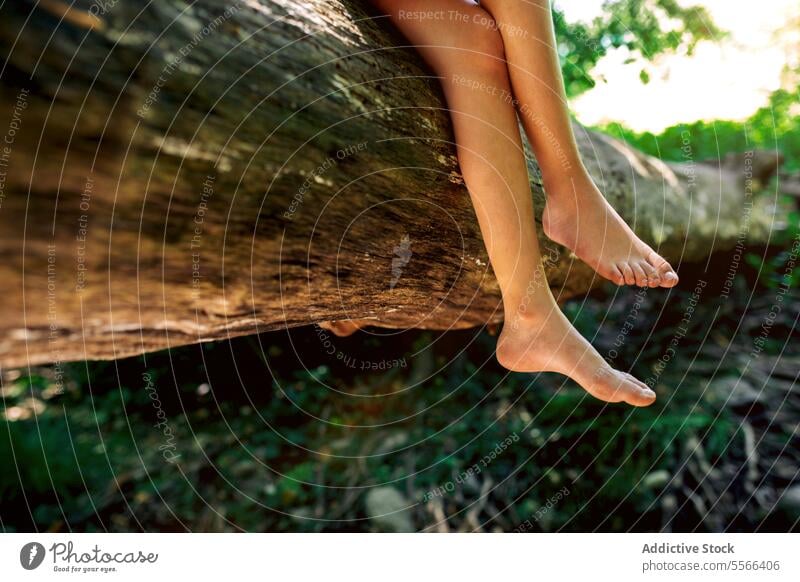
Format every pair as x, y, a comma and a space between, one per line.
776, 126
645, 28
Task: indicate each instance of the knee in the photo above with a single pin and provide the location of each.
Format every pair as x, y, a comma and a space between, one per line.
471, 46
465, 43
485, 50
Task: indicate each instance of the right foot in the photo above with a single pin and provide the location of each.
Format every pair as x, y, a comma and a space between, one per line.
552, 344
578, 217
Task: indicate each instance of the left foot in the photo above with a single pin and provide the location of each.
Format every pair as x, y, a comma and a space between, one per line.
343, 328
578, 217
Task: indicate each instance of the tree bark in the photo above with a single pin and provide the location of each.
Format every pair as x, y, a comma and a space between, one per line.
191, 171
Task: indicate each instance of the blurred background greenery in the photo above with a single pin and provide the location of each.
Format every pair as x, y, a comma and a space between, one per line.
287, 432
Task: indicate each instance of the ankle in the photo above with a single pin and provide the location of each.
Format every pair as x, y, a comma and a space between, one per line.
566, 182
531, 315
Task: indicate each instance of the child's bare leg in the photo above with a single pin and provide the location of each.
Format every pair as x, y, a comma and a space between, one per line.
576, 214
469, 59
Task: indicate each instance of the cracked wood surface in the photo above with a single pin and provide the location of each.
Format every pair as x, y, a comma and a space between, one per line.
193, 171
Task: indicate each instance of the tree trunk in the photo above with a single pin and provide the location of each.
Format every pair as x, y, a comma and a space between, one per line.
192, 171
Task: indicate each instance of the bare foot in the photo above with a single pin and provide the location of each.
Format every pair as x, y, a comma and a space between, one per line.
551, 344
577, 216
343, 328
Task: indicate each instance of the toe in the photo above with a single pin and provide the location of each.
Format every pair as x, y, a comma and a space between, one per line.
669, 279
630, 278
642, 398
616, 276
637, 393
658, 262
667, 275
641, 276
653, 277
638, 382
616, 386
628, 391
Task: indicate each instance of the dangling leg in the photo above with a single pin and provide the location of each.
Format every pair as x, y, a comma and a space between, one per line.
469, 59
576, 214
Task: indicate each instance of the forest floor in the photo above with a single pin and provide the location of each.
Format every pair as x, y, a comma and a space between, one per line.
302, 431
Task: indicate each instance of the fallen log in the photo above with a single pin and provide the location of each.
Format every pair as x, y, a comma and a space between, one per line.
193, 171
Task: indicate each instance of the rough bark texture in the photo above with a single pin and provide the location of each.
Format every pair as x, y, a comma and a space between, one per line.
192, 171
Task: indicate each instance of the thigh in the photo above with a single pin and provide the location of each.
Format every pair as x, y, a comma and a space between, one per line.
431, 25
